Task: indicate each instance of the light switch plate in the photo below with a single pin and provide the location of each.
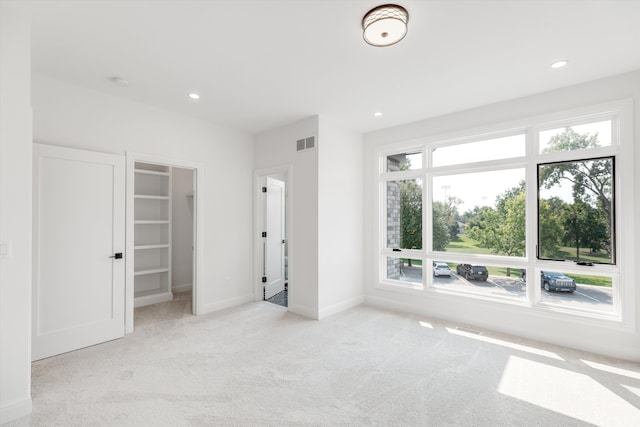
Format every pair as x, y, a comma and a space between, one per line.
5, 249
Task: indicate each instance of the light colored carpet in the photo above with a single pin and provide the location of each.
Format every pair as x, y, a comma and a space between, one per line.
257, 365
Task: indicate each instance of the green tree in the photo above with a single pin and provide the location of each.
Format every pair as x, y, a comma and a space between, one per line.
587, 221
440, 218
584, 227
502, 229
550, 225
410, 214
474, 217
451, 211
591, 180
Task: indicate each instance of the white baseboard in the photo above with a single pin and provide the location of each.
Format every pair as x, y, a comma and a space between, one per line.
182, 288
10, 411
303, 311
340, 307
221, 305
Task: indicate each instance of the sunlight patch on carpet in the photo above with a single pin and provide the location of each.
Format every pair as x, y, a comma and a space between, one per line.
612, 369
503, 343
548, 386
634, 390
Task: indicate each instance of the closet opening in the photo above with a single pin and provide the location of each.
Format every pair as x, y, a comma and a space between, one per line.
162, 216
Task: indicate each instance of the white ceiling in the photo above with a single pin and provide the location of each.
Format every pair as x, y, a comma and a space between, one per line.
259, 64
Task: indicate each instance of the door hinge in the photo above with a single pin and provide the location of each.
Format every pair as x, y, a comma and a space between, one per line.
264, 234
264, 189
264, 279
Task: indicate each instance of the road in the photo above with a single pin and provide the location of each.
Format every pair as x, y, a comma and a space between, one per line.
585, 296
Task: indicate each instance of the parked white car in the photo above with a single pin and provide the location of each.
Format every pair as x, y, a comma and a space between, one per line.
441, 269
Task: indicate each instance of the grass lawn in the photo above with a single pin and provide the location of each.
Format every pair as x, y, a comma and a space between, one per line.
591, 280
464, 245
569, 253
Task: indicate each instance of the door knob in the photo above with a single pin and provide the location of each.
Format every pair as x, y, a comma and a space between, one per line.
117, 255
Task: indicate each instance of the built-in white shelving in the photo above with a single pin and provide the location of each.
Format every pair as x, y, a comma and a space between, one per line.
152, 234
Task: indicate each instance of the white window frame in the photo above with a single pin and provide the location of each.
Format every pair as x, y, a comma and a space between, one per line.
621, 148
385, 252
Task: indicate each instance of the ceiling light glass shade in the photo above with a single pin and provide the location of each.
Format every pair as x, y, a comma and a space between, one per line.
385, 25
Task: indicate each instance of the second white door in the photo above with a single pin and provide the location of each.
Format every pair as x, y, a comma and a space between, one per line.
273, 243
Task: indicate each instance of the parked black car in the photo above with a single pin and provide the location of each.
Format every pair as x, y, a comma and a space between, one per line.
472, 272
553, 281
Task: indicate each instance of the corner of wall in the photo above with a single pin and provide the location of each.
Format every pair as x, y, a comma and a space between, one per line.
15, 213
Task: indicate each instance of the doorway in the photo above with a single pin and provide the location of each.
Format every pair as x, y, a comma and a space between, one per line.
163, 216
272, 249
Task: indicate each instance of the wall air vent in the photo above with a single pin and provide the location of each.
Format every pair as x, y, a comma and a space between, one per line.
306, 143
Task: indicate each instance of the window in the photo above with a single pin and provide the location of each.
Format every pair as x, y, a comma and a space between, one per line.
529, 216
576, 137
404, 214
403, 192
404, 270
404, 162
576, 211
478, 151
484, 280
488, 207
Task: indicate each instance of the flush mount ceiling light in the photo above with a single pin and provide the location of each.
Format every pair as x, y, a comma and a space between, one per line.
385, 25
194, 95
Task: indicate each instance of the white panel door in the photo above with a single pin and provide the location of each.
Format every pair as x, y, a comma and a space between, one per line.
78, 280
274, 242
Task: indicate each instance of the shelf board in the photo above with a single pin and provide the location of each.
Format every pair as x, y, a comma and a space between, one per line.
151, 270
150, 197
151, 221
153, 296
148, 172
156, 246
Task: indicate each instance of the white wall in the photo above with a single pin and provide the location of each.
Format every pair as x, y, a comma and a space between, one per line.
76, 117
325, 275
528, 323
15, 213
181, 229
277, 148
340, 211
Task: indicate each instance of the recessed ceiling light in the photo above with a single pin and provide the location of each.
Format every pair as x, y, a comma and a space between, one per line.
559, 64
194, 96
119, 81
378, 114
